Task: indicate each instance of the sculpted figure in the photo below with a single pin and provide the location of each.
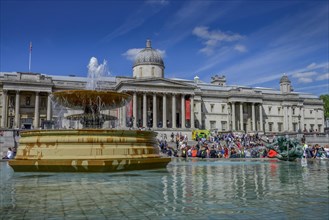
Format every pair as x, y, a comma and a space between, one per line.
287, 149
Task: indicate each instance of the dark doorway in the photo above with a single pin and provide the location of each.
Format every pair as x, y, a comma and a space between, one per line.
178, 125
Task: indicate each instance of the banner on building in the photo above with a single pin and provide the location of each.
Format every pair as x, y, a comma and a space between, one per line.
130, 109
187, 109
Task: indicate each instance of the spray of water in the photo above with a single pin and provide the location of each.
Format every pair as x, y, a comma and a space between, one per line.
95, 73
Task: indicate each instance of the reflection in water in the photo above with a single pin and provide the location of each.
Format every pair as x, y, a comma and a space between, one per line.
194, 188
34, 176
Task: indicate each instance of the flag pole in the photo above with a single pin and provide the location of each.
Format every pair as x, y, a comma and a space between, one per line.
30, 56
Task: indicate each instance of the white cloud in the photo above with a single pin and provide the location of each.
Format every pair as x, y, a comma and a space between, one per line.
303, 74
305, 80
240, 48
211, 39
162, 53
132, 53
311, 87
311, 66
304, 77
136, 19
323, 77
157, 2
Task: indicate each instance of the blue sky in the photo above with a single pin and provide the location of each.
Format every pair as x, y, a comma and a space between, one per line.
252, 43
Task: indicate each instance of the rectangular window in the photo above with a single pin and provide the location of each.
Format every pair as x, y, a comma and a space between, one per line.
224, 125
223, 108
279, 110
312, 128
43, 103
270, 126
269, 109
211, 107
294, 125
293, 111
212, 124
279, 126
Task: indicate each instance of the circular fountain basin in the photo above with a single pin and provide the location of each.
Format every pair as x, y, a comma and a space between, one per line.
87, 150
79, 99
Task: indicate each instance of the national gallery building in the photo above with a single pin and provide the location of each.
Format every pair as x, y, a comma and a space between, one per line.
163, 104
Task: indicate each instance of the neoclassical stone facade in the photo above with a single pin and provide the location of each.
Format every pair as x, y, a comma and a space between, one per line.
164, 104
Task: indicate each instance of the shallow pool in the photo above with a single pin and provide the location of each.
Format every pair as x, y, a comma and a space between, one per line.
187, 189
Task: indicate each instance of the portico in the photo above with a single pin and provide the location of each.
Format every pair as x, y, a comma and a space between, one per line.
160, 110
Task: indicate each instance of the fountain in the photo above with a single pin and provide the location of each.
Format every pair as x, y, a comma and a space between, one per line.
91, 149
286, 149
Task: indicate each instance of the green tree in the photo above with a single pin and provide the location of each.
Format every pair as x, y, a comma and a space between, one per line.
325, 99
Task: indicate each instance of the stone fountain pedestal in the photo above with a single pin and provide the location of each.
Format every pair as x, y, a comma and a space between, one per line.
87, 150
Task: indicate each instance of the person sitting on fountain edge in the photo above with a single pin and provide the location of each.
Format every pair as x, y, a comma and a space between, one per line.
10, 154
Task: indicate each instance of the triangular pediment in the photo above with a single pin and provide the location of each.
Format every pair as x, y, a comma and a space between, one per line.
155, 82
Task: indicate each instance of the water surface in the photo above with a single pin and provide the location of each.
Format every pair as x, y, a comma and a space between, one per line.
187, 189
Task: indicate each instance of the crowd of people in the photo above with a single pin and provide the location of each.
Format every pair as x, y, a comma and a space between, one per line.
216, 145
229, 145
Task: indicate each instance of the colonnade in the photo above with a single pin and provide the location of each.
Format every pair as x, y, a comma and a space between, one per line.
151, 109
17, 119
241, 120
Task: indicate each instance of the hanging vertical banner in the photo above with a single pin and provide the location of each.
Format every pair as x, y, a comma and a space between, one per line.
130, 109
187, 109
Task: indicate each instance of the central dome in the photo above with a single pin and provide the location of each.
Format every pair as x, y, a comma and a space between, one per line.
148, 56
148, 63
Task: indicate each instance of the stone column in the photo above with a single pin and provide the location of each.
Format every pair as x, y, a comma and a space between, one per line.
260, 117
301, 113
17, 114
139, 109
241, 116
315, 120
233, 116
36, 110
183, 110
134, 110
164, 111
124, 116
49, 108
154, 110
173, 111
144, 111
285, 120
289, 118
253, 116
192, 112
4, 109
